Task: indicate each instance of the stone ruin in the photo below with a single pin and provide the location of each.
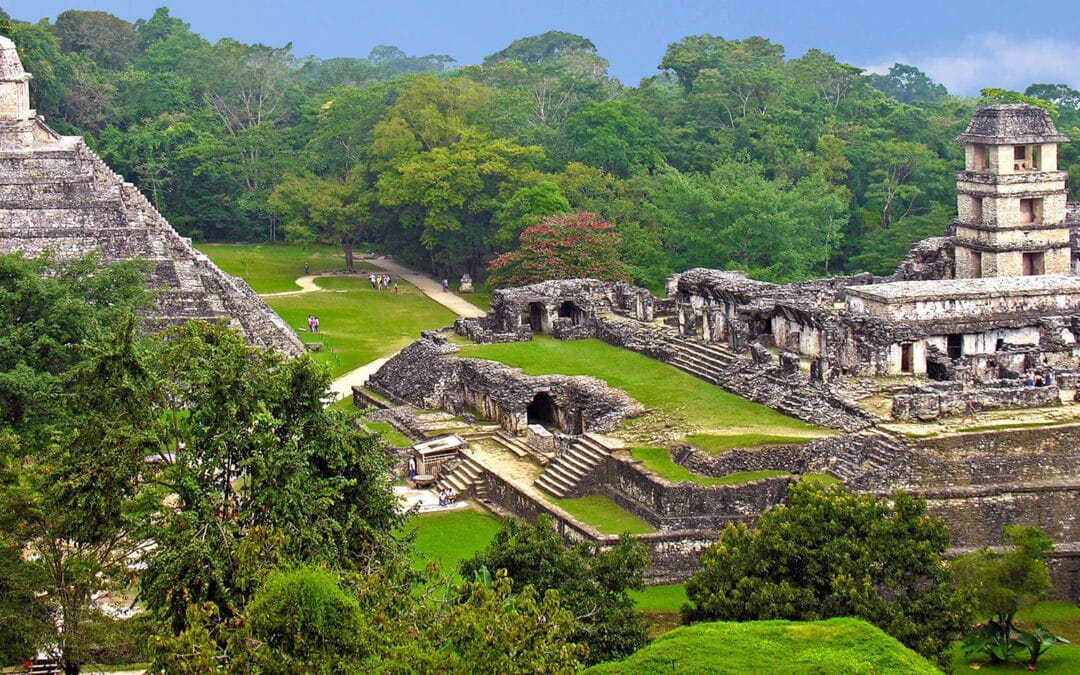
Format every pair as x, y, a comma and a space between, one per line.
428, 376
57, 196
964, 317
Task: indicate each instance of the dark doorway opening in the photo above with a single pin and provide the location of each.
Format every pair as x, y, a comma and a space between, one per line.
955, 345
543, 411
1034, 264
905, 358
569, 310
536, 317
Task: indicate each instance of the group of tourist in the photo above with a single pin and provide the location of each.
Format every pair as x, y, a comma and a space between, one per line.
382, 282
447, 496
1034, 378
313, 324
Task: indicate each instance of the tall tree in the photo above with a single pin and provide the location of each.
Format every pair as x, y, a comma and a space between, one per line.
830, 552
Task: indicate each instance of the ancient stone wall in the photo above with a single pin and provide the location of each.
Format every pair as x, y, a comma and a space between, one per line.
683, 506
426, 375
929, 401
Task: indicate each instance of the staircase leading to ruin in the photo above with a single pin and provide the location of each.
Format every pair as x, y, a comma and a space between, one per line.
563, 476
882, 451
708, 361
463, 478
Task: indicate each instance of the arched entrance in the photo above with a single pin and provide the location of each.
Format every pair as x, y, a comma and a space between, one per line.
543, 411
536, 317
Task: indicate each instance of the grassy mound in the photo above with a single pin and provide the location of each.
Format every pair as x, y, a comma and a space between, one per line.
833, 646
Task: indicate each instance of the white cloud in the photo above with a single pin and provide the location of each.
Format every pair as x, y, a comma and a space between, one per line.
996, 60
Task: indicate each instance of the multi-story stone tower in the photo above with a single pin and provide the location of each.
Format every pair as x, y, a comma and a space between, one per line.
1011, 197
56, 195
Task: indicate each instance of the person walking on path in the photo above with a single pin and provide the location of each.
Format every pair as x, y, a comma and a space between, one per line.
307, 268
445, 285
969, 412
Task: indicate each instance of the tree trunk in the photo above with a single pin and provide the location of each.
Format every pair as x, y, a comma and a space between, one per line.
348, 256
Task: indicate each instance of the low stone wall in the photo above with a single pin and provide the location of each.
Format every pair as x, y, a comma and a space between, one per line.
1000, 458
929, 402
975, 517
683, 506
673, 555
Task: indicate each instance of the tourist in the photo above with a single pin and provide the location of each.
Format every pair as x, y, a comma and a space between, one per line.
395, 287
451, 496
311, 323
371, 278
1029, 379
445, 285
1039, 380
315, 324
442, 497
969, 415
1048, 378
307, 269
412, 468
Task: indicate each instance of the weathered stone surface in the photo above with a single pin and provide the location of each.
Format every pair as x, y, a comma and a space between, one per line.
56, 195
427, 376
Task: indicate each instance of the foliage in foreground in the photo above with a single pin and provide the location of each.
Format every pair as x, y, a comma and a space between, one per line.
830, 553
313, 620
593, 584
1004, 583
836, 646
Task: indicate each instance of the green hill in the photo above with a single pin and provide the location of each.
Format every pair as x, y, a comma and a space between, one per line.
833, 646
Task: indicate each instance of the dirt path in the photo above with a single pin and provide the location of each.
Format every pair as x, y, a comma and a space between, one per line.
430, 288
342, 386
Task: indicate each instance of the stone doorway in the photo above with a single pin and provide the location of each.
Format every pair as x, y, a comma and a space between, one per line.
536, 317
543, 411
569, 310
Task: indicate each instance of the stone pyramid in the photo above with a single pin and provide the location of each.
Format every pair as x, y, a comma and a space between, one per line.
57, 195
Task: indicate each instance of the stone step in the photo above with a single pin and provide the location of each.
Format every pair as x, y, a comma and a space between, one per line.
553, 485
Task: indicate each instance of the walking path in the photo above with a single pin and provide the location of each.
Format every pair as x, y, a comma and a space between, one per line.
342, 386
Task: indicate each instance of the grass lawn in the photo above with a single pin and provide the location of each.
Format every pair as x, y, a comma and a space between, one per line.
654, 384
603, 514
388, 433
274, 268
358, 324
718, 444
664, 598
449, 537
839, 646
659, 461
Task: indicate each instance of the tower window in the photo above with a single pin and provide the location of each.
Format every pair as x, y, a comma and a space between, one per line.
1030, 210
1034, 264
954, 345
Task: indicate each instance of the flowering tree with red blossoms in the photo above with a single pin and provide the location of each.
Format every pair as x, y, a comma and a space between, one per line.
563, 246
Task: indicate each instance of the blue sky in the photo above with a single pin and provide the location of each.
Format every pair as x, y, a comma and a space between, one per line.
964, 45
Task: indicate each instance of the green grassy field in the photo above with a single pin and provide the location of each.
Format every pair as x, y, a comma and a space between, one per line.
663, 598
357, 324
656, 385
659, 461
449, 537
274, 268
717, 444
360, 324
603, 514
839, 646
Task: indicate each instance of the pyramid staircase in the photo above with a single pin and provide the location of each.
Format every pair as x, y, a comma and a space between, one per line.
882, 452
565, 474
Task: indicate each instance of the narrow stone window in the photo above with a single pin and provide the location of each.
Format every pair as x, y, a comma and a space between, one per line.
954, 345
1034, 264
976, 264
1027, 210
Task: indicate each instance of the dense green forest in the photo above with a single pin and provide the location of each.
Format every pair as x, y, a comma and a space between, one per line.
732, 156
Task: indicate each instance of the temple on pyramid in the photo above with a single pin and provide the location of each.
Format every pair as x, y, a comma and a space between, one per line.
56, 195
